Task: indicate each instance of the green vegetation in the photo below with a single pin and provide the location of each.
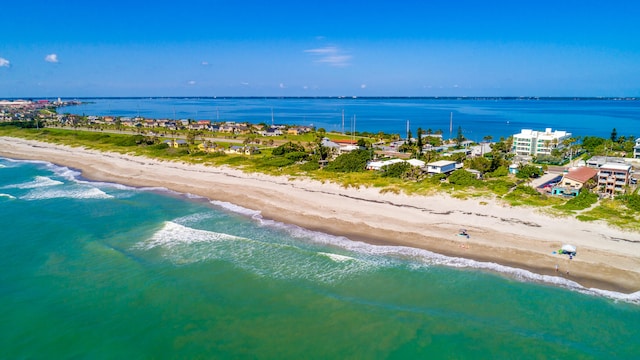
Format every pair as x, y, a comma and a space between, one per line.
583, 201
463, 178
397, 170
528, 171
354, 161
305, 156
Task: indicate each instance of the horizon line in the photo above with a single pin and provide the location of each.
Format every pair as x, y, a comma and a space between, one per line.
628, 98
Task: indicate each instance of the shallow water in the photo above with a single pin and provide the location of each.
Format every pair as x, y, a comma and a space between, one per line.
97, 270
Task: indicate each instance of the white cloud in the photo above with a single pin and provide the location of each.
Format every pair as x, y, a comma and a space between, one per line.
330, 55
244, 83
191, 82
52, 58
204, 63
363, 86
281, 86
4, 62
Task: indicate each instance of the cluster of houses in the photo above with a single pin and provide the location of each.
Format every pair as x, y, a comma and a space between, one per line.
230, 127
11, 110
610, 176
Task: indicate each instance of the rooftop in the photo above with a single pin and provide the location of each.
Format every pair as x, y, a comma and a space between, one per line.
581, 174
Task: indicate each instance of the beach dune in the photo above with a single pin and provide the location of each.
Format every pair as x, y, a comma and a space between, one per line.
608, 258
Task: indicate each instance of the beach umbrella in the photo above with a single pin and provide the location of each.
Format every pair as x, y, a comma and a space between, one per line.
569, 248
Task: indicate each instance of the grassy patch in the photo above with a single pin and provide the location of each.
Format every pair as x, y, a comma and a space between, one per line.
528, 196
583, 201
614, 213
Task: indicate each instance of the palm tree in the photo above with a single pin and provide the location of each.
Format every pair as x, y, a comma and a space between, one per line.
547, 145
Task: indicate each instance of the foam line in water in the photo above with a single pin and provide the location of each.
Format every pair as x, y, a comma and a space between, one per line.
76, 192
184, 245
37, 182
337, 257
173, 234
237, 209
64, 172
8, 196
420, 258
17, 161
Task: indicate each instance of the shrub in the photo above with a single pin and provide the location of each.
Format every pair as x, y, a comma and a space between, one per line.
310, 165
353, 161
132, 140
528, 171
500, 171
527, 190
160, 146
463, 178
296, 156
396, 170
632, 201
287, 148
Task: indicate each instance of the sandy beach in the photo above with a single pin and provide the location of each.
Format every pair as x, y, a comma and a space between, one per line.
524, 238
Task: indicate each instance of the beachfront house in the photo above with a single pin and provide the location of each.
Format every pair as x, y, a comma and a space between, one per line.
176, 143
481, 149
574, 180
441, 167
613, 178
533, 143
272, 131
378, 165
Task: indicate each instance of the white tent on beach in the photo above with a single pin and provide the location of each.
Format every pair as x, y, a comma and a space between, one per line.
568, 249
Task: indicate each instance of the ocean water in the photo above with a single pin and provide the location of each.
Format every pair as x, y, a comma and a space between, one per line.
99, 270
476, 118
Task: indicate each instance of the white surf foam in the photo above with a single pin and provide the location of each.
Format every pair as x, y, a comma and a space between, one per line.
237, 209
337, 257
64, 172
7, 196
181, 244
37, 182
76, 192
194, 218
16, 161
420, 259
173, 234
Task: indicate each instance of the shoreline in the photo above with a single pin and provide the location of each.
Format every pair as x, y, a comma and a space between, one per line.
608, 258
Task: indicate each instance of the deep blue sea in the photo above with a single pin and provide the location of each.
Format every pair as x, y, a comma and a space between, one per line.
477, 118
97, 270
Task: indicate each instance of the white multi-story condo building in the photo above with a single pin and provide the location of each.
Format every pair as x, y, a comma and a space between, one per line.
532, 143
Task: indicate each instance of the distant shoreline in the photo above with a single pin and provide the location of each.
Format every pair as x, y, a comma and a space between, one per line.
477, 98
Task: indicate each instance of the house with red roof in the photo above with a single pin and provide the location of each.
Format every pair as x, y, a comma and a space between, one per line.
574, 180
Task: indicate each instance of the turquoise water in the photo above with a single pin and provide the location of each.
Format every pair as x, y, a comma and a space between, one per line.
477, 118
97, 270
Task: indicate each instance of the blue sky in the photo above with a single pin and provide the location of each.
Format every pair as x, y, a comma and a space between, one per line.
319, 48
